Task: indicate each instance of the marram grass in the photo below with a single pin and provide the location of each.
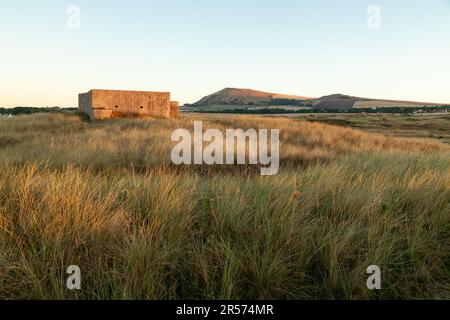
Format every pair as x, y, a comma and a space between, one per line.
104, 196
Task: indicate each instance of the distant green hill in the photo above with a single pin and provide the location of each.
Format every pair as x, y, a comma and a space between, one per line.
249, 97
253, 99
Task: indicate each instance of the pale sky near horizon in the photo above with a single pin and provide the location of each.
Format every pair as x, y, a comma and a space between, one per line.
193, 48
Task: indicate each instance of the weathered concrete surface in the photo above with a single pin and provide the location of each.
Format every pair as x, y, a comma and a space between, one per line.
106, 104
174, 109
100, 114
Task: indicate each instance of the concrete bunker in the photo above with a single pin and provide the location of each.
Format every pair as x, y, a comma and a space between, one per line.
107, 104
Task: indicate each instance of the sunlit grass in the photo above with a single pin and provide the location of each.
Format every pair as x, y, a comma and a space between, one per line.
105, 197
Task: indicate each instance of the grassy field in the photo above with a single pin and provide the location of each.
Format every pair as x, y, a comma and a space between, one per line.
106, 197
434, 126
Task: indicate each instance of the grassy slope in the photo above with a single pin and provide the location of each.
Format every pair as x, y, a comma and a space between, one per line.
104, 196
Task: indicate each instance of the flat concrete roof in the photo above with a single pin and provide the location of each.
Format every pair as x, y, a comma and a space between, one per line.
130, 91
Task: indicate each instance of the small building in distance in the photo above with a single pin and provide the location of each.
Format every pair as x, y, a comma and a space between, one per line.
107, 104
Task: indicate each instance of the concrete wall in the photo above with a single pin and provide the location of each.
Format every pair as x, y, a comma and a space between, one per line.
100, 114
85, 103
174, 109
103, 104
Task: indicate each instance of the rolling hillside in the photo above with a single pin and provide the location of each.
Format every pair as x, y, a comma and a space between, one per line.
234, 96
248, 98
340, 101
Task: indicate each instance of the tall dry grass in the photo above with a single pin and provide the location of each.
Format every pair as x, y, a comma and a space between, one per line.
59, 140
103, 196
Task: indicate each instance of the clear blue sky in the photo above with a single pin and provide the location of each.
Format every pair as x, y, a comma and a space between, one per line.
193, 48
